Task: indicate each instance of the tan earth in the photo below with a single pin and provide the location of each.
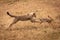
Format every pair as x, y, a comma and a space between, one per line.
26, 30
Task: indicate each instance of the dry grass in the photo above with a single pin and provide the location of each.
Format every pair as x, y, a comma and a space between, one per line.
27, 30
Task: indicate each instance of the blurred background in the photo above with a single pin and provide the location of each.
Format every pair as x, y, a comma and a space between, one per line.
25, 30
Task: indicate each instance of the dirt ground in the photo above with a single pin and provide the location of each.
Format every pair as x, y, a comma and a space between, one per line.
25, 30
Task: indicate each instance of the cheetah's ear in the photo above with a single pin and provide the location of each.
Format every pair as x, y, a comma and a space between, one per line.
31, 13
